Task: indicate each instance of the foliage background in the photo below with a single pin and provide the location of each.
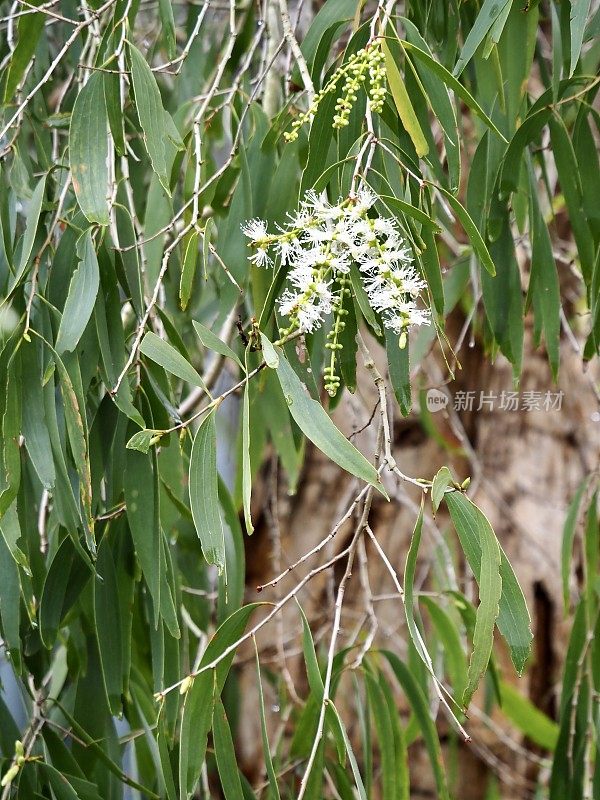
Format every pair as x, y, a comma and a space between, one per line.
136, 138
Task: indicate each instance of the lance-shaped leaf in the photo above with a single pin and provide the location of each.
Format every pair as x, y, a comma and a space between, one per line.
204, 492
81, 298
88, 150
490, 589
169, 358
403, 104
422, 714
31, 226
513, 618
151, 114
315, 424
197, 710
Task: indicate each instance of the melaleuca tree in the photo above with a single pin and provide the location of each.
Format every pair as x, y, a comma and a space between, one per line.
222, 225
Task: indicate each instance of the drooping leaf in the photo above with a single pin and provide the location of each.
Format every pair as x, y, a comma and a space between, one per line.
81, 298
513, 617
316, 425
204, 494
169, 358
88, 150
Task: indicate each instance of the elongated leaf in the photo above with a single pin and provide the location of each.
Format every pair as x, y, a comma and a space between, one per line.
426, 725
140, 500
404, 105
579, 14
513, 619
198, 706
316, 425
489, 13
490, 589
30, 27
211, 341
151, 114
454, 655
88, 150
81, 298
273, 787
385, 737
409, 597
169, 358
532, 722
108, 625
188, 270
31, 226
569, 529
225, 753
452, 83
246, 466
477, 242
204, 492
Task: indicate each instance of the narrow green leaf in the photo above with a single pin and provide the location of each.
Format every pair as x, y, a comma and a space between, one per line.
403, 104
513, 620
167, 22
578, 18
198, 706
211, 341
246, 466
477, 242
151, 114
422, 714
188, 269
88, 150
30, 27
409, 596
385, 737
76, 423
568, 537
490, 589
532, 722
315, 681
31, 226
169, 358
314, 422
273, 787
204, 493
225, 754
81, 298
351, 757
108, 625
490, 11
452, 83
63, 584
140, 501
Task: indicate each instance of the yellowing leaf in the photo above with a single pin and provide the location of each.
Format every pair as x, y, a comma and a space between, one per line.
403, 104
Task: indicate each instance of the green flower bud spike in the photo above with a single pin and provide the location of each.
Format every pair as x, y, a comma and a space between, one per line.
367, 65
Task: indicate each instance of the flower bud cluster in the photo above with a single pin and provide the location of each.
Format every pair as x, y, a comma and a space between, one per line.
367, 63
319, 244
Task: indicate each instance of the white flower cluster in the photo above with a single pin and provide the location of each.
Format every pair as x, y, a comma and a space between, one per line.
319, 244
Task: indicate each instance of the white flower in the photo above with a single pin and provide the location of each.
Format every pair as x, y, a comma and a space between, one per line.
256, 231
365, 198
318, 245
311, 303
261, 257
287, 249
403, 318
